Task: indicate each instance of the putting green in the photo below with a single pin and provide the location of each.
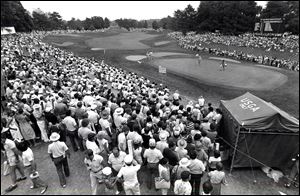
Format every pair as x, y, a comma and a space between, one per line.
235, 75
123, 41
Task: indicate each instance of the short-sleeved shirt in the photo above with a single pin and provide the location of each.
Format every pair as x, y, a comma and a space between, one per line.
129, 174
57, 149
27, 156
153, 155
70, 123
8, 146
117, 162
196, 166
216, 176
95, 164
104, 123
93, 146
84, 132
182, 188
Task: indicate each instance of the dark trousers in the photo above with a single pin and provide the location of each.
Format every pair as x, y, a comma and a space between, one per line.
74, 135
35, 126
119, 184
62, 169
195, 183
153, 172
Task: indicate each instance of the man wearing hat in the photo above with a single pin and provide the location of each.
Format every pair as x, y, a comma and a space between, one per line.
58, 151
129, 174
153, 155
118, 118
162, 144
94, 163
180, 149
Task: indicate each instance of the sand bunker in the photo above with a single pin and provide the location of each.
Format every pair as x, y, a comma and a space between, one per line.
97, 49
226, 59
63, 44
161, 43
135, 57
68, 34
161, 54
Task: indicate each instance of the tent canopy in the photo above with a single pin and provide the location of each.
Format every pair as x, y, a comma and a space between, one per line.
258, 115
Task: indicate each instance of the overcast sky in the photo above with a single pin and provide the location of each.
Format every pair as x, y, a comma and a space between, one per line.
138, 10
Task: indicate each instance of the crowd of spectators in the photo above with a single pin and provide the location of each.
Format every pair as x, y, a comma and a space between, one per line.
289, 43
124, 123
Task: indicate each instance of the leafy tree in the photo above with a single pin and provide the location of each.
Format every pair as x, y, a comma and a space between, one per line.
145, 25
106, 23
155, 25
292, 17
55, 20
127, 23
14, 15
275, 9
41, 20
226, 16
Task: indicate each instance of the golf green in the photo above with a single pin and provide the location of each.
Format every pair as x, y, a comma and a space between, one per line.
235, 75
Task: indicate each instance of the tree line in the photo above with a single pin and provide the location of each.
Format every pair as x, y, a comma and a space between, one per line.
232, 17
13, 14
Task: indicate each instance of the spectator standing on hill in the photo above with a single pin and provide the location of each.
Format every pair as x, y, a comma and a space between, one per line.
58, 152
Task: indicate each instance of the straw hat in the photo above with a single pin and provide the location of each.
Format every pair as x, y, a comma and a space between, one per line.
119, 111
181, 143
184, 162
54, 137
106, 171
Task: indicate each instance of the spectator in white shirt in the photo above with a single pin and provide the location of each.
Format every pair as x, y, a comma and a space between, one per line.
183, 186
129, 173
116, 160
153, 156
72, 129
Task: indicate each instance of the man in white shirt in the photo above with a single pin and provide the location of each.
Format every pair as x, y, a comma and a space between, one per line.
116, 160
13, 159
197, 169
210, 115
28, 161
72, 129
153, 155
183, 186
129, 173
58, 151
94, 165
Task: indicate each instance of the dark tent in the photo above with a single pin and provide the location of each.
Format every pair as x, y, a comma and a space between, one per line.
260, 130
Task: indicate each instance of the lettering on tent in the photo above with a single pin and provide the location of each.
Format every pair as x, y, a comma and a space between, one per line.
247, 104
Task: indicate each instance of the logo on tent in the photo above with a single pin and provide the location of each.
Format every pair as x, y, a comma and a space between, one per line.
248, 104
